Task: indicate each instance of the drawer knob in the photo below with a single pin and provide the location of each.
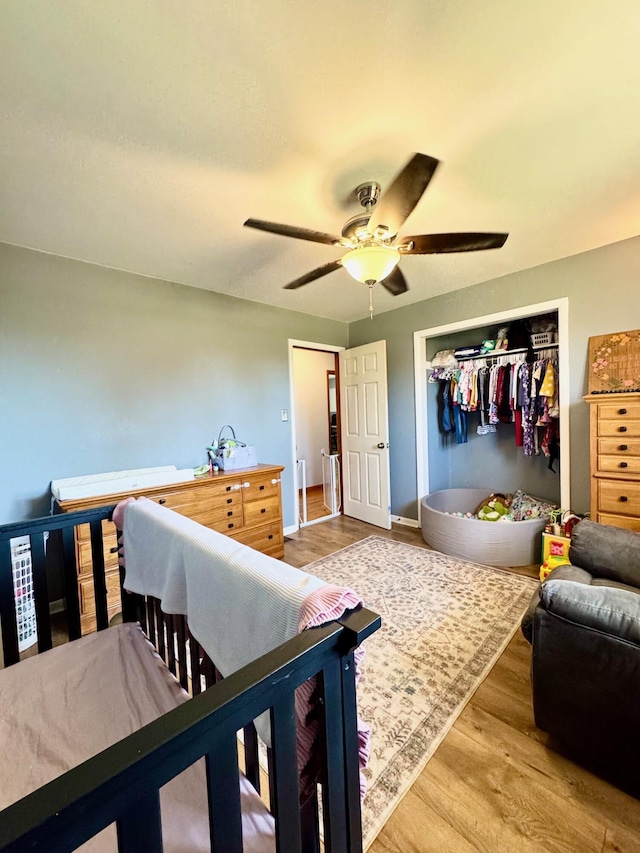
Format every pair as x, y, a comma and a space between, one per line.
624, 447
624, 498
114, 550
622, 411
262, 488
263, 510
229, 488
230, 525
270, 536
245, 485
230, 512
162, 501
229, 500
274, 481
622, 429
624, 464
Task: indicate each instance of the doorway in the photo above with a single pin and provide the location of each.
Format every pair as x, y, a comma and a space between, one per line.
315, 431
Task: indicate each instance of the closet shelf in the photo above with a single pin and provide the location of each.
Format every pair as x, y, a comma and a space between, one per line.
494, 354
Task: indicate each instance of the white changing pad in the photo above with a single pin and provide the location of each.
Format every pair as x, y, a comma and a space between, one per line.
94, 485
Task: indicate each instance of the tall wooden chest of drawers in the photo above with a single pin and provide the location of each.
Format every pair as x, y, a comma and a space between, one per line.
615, 459
244, 504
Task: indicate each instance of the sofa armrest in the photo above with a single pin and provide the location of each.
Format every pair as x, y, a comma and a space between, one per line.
610, 610
606, 552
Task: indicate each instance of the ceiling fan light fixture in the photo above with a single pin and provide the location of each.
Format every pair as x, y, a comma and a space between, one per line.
370, 263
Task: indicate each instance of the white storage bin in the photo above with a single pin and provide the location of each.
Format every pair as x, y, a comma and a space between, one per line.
238, 457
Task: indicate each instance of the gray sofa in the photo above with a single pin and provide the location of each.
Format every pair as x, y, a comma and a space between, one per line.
584, 626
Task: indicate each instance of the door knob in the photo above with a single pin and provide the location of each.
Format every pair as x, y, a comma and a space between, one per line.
381, 445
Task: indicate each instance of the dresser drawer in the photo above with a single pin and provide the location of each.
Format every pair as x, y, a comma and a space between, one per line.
86, 590
226, 525
619, 497
620, 428
109, 551
269, 538
262, 510
623, 446
261, 486
625, 466
619, 411
217, 516
628, 522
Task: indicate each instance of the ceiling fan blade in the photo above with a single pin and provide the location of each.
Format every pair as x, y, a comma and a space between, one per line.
435, 244
318, 272
294, 231
400, 198
395, 283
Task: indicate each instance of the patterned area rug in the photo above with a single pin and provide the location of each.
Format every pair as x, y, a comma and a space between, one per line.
445, 622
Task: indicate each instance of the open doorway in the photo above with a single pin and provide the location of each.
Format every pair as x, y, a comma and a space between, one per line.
315, 417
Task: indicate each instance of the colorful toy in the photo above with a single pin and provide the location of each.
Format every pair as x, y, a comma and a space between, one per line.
551, 564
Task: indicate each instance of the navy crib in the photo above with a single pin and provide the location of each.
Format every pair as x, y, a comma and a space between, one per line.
122, 783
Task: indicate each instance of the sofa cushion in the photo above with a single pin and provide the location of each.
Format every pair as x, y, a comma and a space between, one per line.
606, 552
607, 609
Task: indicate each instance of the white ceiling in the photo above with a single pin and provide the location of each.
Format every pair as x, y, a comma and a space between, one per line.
140, 134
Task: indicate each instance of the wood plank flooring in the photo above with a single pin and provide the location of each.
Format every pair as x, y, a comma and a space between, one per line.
495, 783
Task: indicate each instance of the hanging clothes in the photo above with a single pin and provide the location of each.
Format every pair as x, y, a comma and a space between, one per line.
506, 391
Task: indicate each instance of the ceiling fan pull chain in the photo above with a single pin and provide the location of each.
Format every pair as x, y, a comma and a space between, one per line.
371, 300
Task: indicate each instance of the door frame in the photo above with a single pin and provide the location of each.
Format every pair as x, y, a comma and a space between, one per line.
292, 344
561, 305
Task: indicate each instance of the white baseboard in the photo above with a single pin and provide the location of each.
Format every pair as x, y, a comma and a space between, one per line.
408, 522
292, 528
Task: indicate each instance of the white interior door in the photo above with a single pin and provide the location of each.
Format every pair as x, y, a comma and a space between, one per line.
365, 434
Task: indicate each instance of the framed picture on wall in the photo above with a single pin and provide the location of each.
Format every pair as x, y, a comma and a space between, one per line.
614, 362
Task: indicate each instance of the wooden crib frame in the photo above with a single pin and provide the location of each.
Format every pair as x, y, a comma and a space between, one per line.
122, 783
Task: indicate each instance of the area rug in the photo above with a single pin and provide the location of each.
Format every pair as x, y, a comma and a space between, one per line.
445, 622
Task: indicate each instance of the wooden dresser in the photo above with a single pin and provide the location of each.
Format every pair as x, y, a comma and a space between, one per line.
244, 504
615, 459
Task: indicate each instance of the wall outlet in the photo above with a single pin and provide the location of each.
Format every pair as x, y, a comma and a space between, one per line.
284, 414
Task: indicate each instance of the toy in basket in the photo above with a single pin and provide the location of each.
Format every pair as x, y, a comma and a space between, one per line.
229, 453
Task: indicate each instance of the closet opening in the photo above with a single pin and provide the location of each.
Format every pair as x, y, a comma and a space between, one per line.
315, 428
470, 449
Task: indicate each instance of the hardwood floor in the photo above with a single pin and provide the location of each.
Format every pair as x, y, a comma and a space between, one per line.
495, 783
315, 503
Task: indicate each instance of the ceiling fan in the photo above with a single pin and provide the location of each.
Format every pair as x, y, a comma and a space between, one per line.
372, 237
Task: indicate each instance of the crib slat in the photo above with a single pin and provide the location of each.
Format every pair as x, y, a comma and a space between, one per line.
151, 622
171, 643
7, 606
99, 579
225, 817
40, 591
194, 658
70, 572
140, 827
251, 761
286, 794
162, 651
349, 726
181, 635
334, 807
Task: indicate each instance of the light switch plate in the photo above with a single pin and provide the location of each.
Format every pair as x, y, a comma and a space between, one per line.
284, 414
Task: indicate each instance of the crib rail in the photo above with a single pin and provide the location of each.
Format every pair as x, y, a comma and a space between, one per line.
122, 783
60, 530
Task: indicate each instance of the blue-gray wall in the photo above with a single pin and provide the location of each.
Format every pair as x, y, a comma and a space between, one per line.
101, 370
603, 288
